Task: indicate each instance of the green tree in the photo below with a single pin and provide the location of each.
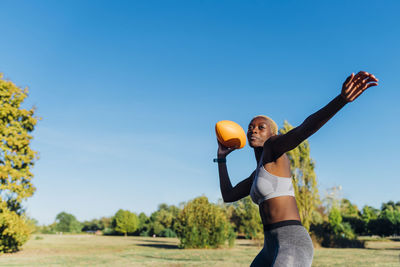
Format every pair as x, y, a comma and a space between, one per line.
105, 222
335, 220
163, 221
125, 222
67, 223
348, 209
203, 225
93, 225
388, 205
144, 225
16, 161
352, 216
388, 221
304, 179
369, 213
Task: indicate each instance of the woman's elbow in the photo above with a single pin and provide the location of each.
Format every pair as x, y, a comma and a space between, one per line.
227, 199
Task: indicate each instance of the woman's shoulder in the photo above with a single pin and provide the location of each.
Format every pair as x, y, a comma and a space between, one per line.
268, 151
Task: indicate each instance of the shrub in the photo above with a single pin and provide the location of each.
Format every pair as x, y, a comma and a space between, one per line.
359, 226
14, 231
47, 229
231, 237
202, 225
144, 233
108, 231
342, 236
167, 233
244, 215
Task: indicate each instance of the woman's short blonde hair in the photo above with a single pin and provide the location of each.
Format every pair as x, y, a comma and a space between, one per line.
272, 125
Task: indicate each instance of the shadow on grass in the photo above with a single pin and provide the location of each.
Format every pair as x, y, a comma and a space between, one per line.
172, 259
248, 245
157, 241
382, 248
165, 246
199, 259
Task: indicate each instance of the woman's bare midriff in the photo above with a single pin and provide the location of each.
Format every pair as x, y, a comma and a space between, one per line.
279, 209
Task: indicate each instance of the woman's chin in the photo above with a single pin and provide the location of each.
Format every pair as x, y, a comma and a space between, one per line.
254, 144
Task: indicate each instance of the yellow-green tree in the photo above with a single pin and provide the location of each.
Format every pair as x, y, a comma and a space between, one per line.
304, 179
16, 161
125, 222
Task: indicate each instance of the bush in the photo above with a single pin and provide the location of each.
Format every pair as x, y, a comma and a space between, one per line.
381, 227
47, 229
144, 233
387, 223
108, 231
231, 237
202, 225
342, 236
14, 231
167, 233
245, 217
357, 224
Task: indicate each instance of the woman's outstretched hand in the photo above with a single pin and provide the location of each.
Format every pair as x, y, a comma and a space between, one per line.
223, 151
356, 84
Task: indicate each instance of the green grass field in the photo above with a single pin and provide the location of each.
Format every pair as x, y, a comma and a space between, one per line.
91, 250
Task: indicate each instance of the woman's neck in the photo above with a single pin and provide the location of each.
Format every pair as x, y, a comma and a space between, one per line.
257, 153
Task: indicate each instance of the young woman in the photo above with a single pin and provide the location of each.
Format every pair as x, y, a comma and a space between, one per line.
286, 241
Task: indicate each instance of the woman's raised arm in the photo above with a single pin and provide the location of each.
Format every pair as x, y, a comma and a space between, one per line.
230, 193
351, 89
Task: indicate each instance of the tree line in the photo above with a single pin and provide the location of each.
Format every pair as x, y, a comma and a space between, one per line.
199, 223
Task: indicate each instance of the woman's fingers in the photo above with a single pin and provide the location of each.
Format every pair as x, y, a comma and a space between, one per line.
354, 95
362, 83
361, 76
372, 78
363, 79
353, 83
358, 90
371, 84
348, 80
353, 87
223, 149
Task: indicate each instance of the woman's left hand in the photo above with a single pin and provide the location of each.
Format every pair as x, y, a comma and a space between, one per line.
356, 84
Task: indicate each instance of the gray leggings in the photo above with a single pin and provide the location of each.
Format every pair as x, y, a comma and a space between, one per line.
285, 246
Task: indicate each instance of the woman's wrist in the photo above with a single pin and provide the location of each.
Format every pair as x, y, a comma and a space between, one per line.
342, 99
220, 160
222, 156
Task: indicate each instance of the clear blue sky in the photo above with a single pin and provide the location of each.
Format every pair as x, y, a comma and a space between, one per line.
130, 91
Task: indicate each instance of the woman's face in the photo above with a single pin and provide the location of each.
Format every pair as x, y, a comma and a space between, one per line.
258, 132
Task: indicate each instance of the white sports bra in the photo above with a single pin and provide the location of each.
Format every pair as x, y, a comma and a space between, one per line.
266, 185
